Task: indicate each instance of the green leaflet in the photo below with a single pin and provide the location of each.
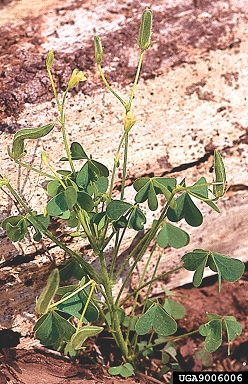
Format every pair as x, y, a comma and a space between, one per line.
137, 219
158, 319
228, 268
47, 294
79, 337
125, 370
54, 187
200, 191
62, 202
173, 236
148, 189
52, 327
214, 328
204, 356
17, 150
91, 171
72, 306
85, 201
77, 152
15, 227
213, 332
186, 209
175, 309
117, 208
40, 223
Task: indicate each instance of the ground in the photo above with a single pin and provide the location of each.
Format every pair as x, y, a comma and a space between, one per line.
191, 99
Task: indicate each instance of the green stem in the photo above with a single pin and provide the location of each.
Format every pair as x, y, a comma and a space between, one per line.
118, 242
62, 117
116, 164
54, 305
86, 305
109, 87
56, 175
166, 340
135, 338
115, 327
148, 283
149, 236
128, 106
30, 168
81, 215
137, 259
54, 89
88, 268
124, 168
62, 122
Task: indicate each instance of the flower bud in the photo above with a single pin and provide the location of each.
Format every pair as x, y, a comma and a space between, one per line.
98, 50
3, 181
144, 39
129, 121
49, 60
75, 78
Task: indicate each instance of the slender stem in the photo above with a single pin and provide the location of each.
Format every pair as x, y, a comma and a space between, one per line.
153, 276
61, 107
54, 90
148, 283
168, 339
88, 268
56, 175
124, 168
116, 250
135, 338
143, 277
109, 87
54, 305
81, 215
62, 121
30, 168
128, 107
113, 310
146, 239
116, 164
86, 305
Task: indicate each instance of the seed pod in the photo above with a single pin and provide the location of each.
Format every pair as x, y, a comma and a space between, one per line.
220, 175
145, 32
98, 50
49, 60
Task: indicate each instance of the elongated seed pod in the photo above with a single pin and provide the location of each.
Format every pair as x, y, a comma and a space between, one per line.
220, 175
145, 32
98, 50
49, 60
17, 150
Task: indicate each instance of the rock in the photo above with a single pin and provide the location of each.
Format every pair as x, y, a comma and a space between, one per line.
191, 99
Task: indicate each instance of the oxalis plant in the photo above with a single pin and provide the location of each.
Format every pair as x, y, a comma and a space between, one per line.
78, 301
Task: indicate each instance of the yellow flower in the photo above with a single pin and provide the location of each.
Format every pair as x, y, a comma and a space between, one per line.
75, 78
129, 121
